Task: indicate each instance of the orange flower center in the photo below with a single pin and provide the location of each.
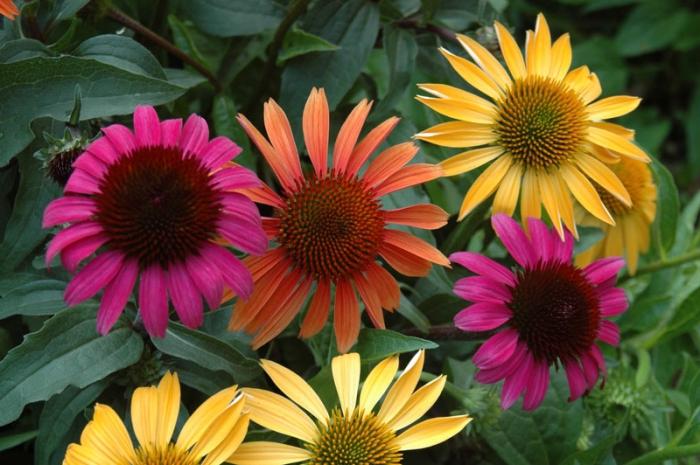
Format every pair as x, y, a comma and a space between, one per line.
540, 122
331, 227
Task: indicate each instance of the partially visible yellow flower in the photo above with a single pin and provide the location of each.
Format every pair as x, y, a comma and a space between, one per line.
353, 433
210, 435
630, 235
539, 124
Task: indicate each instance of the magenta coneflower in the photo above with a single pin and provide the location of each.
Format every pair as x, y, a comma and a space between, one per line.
156, 202
549, 312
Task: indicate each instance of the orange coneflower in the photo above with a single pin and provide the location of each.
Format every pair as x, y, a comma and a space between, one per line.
330, 226
8, 9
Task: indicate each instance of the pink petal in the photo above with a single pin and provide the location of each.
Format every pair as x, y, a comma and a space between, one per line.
484, 266
103, 150
82, 182
564, 250
207, 278
91, 165
220, 150
121, 138
185, 297
235, 177
497, 373
613, 301
542, 238
68, 209
146, 126
234, 273
515, 383
170, 132
153, 300
93, 277
241, 206
604, 269
116, 295
482, 317
70, 235
514, 239
536, 386
609, 333
496, 350
590, 370
195, 135
72, 255
246, 236
482, 289
599, 359
576, 379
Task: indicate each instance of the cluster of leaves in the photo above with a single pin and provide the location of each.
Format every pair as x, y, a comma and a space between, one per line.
218, 57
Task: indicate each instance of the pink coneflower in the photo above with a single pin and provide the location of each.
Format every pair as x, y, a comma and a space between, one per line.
549, 312
157, 202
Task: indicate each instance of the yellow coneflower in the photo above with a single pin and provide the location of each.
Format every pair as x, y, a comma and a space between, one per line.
210, 435
541, 128
630, 235
352, 433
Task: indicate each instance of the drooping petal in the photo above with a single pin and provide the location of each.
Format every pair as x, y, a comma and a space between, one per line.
385, 284
317, 315
516, 383
116, 295
95, 276
69, 209
609, 333
496, 350
185, 296
602, 270
346, 321
73, 254
485, 184
232, 271
585, 193
576, 379
153, 300
425, 216
602, 136
536, 386
484, 266
613, 302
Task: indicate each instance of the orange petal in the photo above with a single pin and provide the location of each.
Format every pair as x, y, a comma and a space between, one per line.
386, 286
373, 303
260, 265
271, 226
389, 162
276, 302
315, 123
348, 134
408, 176
280, 134
425, 216
264, 195
416, 246
370, 143
346, 320
317, 315
405, 263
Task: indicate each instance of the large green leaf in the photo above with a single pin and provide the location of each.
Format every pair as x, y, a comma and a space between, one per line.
401, 50
374, 344
298, 42
668, 205
66, 351
121, 52
650, 27
43, 297
106, 90
229, 18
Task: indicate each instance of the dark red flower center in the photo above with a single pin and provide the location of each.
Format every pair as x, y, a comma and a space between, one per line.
556, 311
157, 206
331, 227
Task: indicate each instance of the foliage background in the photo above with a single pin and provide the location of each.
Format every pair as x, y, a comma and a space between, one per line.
229, 56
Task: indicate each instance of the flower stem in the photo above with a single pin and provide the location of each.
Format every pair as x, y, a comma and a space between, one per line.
660, 455
665, 263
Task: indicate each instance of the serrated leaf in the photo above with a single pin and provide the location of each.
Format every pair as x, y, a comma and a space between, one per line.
43, 297
298, 42
66, 351
230, 18
374, 344
121, 52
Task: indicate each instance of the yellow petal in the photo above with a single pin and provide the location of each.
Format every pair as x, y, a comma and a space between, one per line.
107, 436
511, 52
230, 443
277, 413
486, 61
630, 237
78, 454
204, 416
566, 206
402, 389
467, 161
506, 196
431, 432
219, 429
144, 414
612, 107
469, 100
614, 245
458, 134
530, 196
294, 387
603, 154
456, 109
472, 74
346, 376
585, 193
578, 79
419, 403
627, 133
377, 382
592, 90
268, 453
561, 58
550, 200
539, 60
168, 408
604, 176
485, 184
603, 137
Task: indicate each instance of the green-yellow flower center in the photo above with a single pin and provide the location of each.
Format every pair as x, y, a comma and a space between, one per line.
541, 122
360, 439
170, 455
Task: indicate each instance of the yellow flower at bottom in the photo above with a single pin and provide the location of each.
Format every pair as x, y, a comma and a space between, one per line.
353, 433
630, 235
210, 435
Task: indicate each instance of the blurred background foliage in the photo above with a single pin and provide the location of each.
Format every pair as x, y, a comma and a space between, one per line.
219, 57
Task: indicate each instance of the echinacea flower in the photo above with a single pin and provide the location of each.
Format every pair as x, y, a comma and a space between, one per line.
353, 432
542, 128
8, 9
630, 235
155, 202
208, 437
330, 226
547, 313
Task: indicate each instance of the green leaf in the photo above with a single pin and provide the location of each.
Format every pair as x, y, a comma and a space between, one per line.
230, 18
298, 42
668, 205
66, 351
686, 316
43, 297
374, 344
692, 123
14, 440
609, 66
223, 115
59, 413
650, 27
352, 25
121, 52
106, 90
22, 49
401, 50
24, 233
413, 314
207, 352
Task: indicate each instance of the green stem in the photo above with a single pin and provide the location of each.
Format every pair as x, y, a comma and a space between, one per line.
659, 456
667, 263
